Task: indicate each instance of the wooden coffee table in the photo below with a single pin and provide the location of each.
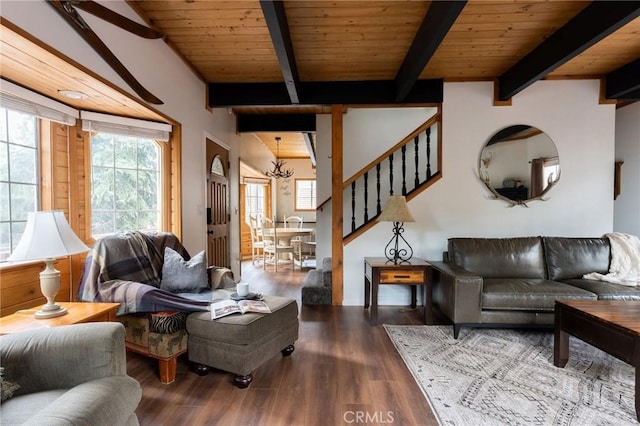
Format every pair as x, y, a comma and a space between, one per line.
612, 326
78, 312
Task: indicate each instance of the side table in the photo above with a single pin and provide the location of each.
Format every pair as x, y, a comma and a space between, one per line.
414, 272
78, 312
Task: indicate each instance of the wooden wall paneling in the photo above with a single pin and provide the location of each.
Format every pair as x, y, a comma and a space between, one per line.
47, 169
79, 198
20, 285
174, 175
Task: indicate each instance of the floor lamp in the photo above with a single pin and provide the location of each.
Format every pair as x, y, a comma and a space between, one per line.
47, 236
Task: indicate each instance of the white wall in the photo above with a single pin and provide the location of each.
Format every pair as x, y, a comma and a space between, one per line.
161, 72
285, 191
627, 205
458, 205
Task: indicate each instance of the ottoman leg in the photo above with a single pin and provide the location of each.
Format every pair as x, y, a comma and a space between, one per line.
288, 350
201, 369
242, 381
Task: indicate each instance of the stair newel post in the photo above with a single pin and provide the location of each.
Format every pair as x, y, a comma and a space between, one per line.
404, 169
353, 206
366, 197
416, 155
391, 174
428, 132
378, 207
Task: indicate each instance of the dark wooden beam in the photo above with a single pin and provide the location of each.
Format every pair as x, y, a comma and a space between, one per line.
624, 82
276, 18
592, 24
276, 123
435, 25
322, 93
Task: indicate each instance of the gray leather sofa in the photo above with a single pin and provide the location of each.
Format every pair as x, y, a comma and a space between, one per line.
512, 282
70, 375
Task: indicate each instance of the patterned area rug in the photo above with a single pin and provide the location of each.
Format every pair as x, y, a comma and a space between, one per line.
507, 377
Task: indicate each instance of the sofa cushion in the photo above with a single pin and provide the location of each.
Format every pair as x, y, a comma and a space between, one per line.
21, 408
528, 294
569, 258
180, 275
499, 257
605, 290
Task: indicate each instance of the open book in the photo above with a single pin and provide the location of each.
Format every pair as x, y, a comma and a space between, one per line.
223, 308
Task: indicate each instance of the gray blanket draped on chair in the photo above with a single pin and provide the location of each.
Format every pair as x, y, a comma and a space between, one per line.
126, 268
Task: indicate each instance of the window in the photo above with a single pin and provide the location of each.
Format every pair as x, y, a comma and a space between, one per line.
125, 184
305, 194
253, 200
19, 188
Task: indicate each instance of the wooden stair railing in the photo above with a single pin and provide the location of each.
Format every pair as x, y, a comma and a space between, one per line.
414, 177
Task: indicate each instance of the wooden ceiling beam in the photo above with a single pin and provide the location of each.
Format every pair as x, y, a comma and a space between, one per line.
434, 27
374, 92
624, 83
250, 123
276, 19
592, 24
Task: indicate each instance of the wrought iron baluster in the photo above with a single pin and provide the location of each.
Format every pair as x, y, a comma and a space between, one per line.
366, 197
404, 169
353, 206
429, 153
378, 208
417, 179
391, 174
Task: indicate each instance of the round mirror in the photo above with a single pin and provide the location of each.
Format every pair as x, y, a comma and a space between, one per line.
519, 163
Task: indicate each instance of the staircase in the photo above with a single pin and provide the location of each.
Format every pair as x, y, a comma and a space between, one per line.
407, 168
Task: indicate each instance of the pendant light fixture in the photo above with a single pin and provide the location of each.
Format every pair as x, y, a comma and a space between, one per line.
277, 171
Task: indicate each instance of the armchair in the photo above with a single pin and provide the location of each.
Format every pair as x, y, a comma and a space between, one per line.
128, 268
70, 375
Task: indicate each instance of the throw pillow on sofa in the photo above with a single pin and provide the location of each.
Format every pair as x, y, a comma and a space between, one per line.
184, 276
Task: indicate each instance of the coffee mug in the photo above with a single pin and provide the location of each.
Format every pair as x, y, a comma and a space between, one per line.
242, 289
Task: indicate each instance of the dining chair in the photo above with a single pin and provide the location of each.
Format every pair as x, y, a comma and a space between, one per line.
306, 251
257, 244
294, 222
272, 246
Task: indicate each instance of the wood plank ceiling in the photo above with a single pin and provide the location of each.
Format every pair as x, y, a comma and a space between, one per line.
271, 59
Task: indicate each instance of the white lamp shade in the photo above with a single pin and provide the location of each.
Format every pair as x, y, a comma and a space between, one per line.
47, 235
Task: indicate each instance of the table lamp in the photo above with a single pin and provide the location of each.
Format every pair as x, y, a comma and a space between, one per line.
396, 211
46, 236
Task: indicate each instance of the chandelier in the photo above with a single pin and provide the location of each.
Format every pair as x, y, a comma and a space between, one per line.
277, 171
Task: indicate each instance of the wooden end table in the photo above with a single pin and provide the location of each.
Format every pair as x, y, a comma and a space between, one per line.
78, 312
612, 326
414, 272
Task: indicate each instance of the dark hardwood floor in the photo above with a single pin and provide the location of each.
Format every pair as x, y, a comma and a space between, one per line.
343, 371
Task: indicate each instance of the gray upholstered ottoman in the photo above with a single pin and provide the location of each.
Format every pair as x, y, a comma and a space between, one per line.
241, 343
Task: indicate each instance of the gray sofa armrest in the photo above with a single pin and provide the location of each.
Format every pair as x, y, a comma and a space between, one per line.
107, 401
63, 357
457, 292
220, 277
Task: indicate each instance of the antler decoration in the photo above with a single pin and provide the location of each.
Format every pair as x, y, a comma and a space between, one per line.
550, 184
67, 9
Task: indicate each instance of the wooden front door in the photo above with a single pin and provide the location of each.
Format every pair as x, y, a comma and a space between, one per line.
218, 216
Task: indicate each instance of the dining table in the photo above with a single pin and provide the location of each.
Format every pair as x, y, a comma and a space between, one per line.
284, 235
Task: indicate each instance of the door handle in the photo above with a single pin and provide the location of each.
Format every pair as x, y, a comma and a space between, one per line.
210, 232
